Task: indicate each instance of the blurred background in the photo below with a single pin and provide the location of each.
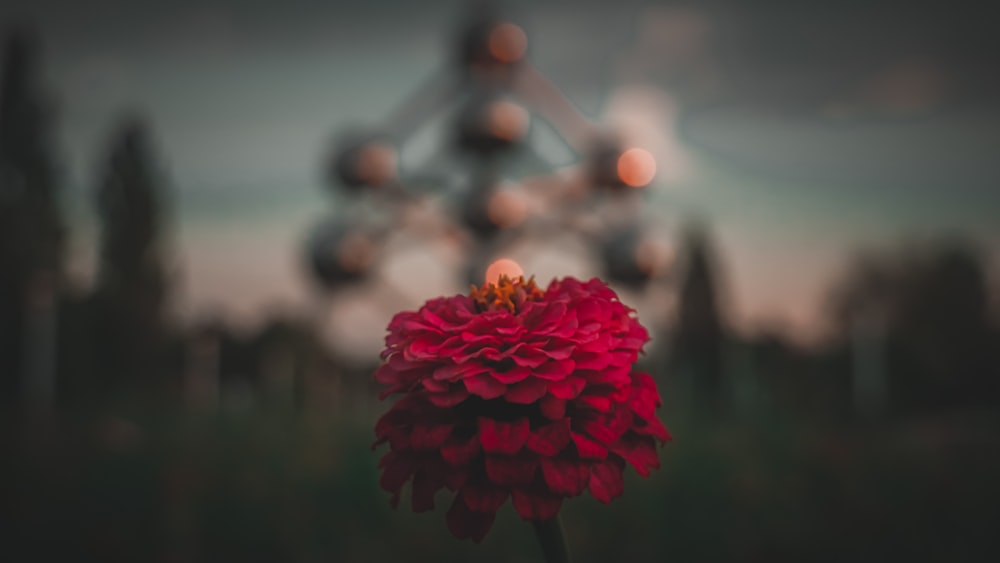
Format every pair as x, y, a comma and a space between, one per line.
210, 211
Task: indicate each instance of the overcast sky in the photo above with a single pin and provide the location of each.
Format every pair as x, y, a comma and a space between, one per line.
802, 133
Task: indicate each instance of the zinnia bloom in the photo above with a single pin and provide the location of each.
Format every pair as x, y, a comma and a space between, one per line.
514, 392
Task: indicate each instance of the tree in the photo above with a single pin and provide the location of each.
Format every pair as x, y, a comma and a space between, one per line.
933, 302
699, 334
132, 285
31, 226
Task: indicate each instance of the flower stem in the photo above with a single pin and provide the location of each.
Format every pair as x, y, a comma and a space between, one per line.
553, 540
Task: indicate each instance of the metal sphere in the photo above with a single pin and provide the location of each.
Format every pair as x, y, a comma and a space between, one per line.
491, 209
618, 167
489, 125
624, 262
338, 254
491, 44
365, 162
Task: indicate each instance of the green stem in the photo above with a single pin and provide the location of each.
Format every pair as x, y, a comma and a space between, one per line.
553, 540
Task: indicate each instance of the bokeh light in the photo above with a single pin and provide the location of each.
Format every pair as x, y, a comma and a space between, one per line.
653, 256
356, 253
636, 167
503, 267
506, 208
507, 43
507, 120
376, 164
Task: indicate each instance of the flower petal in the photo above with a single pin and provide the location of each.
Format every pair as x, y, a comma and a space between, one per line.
450, 398
566, 477
535, 505
527, 391
503, 437
426, 482
513, 375
553, 408
429, 437
550, 439
587, 448
465, 523
504, 470
485, 386
555, 370
396, 471
460, 452
567, 388
606, 481
484, 498
640, 451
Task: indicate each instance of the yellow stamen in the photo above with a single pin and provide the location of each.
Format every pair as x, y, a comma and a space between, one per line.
507, 293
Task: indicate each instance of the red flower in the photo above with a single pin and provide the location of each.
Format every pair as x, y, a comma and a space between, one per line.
516, 393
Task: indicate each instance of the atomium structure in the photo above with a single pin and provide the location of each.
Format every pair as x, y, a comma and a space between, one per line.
491, 97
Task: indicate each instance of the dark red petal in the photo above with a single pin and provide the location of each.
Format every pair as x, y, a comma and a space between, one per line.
434, 385
429, 437
565, 476
527, 391
640, 451
547, 319
646, 381
503, 437
396, 471
455, 478
428, 319
465, 523
460, 452
608, 429
450, 398
386, 374
643, 402
621, 394
559, 352
567, 327
587, 448
617, 376
598, 403
511, 351
485, 386
475, 352
550, 439
594, 360
555, 369
504, 470
535, 506
484, 498
529, 358
426, 482
513, 375
452, 372
606, 481
568, 388
553, 408
472, 337
653, 428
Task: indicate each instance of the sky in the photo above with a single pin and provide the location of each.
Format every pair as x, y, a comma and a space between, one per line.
802, 135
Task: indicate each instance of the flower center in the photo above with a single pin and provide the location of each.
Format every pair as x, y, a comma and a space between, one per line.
507, 293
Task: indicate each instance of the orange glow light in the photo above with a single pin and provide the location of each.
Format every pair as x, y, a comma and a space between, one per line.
506, 209
636, 168
376, 164
507, 120
503, 267
507, 43
355, 253
653, 257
